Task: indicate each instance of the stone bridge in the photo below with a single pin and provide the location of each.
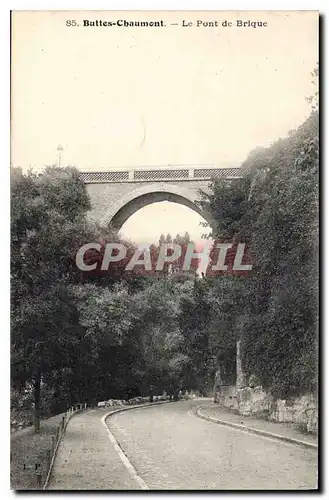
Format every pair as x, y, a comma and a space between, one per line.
118, 194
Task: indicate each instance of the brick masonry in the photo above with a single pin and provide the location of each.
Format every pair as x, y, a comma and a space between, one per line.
108, 198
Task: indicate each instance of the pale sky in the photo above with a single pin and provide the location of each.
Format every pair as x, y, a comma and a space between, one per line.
116, 97
170, 218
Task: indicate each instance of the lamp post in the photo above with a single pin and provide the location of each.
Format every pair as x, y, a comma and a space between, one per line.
59, 155
37, 383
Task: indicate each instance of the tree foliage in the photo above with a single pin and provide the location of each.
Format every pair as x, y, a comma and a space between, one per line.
47, 220
274, 209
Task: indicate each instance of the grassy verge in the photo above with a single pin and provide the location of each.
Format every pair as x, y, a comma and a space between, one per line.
29, 448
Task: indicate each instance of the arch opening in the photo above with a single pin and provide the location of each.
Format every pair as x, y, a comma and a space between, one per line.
132, 206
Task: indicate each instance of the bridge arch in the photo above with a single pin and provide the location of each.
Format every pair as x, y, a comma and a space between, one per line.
127, 205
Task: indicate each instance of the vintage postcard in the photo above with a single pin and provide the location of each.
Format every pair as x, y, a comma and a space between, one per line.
164, 250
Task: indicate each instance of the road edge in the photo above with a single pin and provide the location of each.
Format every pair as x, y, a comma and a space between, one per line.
52, 462
123, 457
252, 430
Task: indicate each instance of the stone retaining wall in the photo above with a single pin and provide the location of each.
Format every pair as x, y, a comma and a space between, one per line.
302, 411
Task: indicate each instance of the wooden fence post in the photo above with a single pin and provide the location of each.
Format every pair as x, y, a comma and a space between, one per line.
38, 475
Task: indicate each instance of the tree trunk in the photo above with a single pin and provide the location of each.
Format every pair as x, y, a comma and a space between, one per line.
37, 385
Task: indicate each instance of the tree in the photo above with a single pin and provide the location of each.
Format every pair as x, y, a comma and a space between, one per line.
177, 265
157, 335
285, 210
194, 321
47, 221
274, 209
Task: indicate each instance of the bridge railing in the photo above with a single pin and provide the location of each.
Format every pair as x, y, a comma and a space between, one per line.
206, 172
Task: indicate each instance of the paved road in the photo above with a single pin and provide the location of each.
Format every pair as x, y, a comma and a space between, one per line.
170, 448
87, 460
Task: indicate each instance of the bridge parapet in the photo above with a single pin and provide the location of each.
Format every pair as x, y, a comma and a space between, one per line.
168, 173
